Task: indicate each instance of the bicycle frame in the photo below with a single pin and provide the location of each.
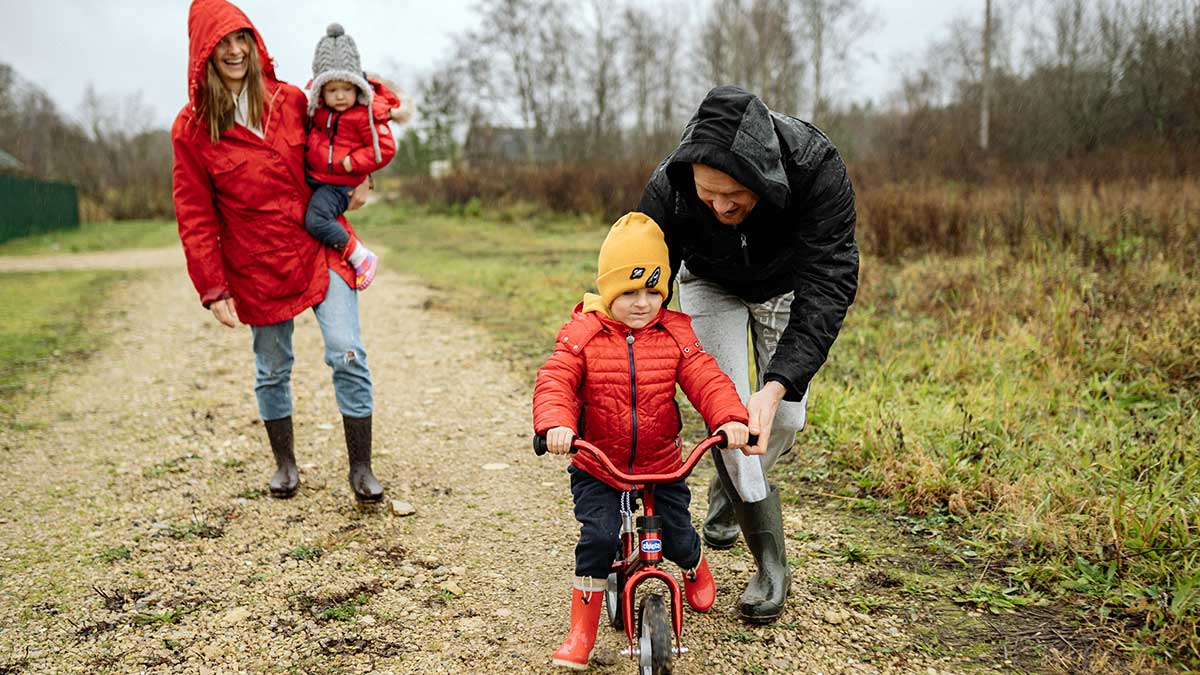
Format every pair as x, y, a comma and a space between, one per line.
640, 562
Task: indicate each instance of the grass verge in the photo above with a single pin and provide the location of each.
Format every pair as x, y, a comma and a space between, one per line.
516, 272
1033, 416
43, 326
97, 237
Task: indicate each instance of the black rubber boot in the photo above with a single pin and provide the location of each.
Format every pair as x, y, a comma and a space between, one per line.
762, 525
358, 444
286, 480
720, 525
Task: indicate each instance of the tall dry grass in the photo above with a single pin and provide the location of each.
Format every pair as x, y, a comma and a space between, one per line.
1108, 225
603, 190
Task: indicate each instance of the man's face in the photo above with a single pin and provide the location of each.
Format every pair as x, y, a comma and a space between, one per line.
729, 200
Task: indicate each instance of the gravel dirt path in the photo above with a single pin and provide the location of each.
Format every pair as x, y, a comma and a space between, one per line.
134, 536
138, 259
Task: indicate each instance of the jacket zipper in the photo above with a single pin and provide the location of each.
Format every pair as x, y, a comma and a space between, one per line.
633, 400
328, 126
745, 249
331, 129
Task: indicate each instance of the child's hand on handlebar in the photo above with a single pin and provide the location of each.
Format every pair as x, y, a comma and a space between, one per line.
737, 435
558, 440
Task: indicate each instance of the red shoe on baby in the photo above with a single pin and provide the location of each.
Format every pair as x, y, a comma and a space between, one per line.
364, 272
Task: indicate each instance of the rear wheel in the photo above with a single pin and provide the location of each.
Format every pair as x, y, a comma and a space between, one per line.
655, 639
612, 600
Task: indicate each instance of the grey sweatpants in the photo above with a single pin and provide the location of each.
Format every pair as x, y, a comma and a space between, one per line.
725, 325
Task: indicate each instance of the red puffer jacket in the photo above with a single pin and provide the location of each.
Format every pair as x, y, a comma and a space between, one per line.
334, 135
616, 388
240, 203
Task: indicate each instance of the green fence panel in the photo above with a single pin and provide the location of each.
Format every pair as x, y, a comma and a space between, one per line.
29, 206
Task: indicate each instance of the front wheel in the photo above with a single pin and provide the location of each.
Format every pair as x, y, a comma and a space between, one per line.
655, 647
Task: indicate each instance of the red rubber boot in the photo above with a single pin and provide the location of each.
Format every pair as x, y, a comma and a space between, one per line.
699, 588
586, 599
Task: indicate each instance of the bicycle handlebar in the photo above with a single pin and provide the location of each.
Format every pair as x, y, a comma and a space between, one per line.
718, 439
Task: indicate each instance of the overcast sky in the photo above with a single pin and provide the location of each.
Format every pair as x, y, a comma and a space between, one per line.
127, 46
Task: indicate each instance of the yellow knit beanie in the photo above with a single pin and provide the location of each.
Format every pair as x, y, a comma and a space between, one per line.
634, 255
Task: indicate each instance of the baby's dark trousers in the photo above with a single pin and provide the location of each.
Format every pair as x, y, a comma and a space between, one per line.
326, 204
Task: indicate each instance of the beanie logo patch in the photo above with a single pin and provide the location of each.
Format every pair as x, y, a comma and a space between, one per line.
637, 273
653, 280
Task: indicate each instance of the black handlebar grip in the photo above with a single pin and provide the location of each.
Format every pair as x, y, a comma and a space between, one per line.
540, 447
725, 442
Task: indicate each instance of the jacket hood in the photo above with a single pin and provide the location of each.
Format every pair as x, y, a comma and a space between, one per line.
208, 22
732, 131
593, 303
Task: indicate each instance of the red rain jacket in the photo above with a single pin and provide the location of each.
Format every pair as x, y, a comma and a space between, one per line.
349, 132
240, 203
588, 385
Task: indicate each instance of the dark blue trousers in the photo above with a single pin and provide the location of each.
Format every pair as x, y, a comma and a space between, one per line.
598, 510
326, 204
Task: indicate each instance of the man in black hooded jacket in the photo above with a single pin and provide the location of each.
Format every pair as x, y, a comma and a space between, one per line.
758, 215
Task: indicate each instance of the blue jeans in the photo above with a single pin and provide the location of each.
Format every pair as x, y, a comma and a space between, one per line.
598, 510
326, 204
337, 316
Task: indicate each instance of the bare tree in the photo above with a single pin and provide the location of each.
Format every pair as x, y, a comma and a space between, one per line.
516, 55
751, 43
657, 78
603, 81
640, 65
669, 88
441, 110
832, 28
985, 98
777, 66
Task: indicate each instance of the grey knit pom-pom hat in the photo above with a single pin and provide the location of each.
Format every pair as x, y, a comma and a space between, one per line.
336, 59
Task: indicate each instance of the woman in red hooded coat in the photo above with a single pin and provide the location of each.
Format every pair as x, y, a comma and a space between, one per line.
240, 198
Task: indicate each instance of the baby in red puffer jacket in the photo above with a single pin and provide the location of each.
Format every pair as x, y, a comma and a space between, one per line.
349, 140
611, 381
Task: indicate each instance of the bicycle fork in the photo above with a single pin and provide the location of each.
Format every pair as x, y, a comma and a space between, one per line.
642, 563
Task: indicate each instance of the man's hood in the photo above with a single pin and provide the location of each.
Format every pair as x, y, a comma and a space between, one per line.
732, 131
208, 22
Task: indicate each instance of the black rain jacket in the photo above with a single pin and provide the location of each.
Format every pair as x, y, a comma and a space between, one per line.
799, 237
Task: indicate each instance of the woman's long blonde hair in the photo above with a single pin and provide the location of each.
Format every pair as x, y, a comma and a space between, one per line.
217, 104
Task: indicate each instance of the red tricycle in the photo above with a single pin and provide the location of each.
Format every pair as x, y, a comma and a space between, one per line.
652, 648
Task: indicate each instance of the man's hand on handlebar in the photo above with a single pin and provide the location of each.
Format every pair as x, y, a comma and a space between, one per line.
558, 440
738, 435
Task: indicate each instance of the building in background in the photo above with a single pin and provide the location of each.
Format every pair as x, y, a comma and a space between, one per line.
9, 164
32, 206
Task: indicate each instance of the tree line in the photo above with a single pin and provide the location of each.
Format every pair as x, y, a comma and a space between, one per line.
111, 150
1085, 87
1064, 79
